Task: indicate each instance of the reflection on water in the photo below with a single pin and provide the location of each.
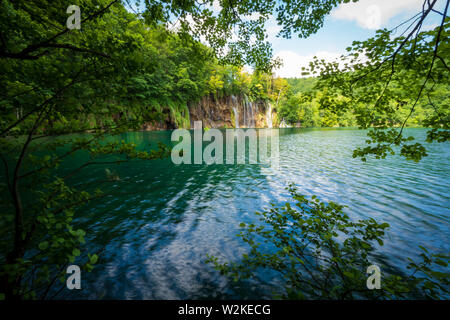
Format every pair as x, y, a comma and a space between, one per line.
162, 219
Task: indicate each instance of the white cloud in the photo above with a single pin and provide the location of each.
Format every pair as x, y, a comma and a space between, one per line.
375, 14
252, 17
429, 27
272, 30
216, 6
293, 62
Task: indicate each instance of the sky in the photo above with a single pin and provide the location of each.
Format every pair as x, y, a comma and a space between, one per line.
346, 23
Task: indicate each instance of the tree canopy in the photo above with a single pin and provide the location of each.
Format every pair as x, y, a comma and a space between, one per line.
131, 63
389, 80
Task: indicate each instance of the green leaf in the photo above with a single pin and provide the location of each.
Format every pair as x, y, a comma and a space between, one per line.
423, 249
441, 262
94, 259
43, 245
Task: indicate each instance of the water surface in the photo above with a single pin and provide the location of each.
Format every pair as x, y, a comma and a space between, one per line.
163, 219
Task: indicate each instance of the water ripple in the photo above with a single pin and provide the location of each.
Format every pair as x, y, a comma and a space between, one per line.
164, 218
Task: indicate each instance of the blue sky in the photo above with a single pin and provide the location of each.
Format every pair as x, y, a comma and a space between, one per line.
348, 22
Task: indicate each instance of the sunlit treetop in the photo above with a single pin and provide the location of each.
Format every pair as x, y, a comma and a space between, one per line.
235, 30
396, 70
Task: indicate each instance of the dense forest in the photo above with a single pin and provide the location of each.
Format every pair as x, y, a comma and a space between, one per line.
65, 92
302, 105
158, 73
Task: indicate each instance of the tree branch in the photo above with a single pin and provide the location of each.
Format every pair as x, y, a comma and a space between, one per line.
25, 53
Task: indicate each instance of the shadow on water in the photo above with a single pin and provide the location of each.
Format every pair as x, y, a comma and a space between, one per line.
162, 219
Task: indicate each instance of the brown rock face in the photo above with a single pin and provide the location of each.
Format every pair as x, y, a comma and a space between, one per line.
229, 112
222, 112
166, 124
213, 112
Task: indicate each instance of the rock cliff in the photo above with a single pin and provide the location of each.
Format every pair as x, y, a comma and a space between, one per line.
223, 112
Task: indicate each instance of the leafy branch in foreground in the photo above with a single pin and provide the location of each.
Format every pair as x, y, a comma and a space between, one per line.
392, 81
47, 237
321, 253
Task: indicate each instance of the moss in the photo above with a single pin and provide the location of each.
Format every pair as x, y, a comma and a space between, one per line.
233, 118
179, 113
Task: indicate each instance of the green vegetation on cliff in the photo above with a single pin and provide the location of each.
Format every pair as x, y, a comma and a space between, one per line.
121, 70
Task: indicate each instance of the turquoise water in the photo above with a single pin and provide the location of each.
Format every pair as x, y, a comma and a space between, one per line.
162, 219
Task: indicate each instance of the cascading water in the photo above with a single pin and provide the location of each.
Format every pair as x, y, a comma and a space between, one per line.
236, 111
269, 115
244, 104
245, 113
249, 113
252, 115
283, 124
236, 117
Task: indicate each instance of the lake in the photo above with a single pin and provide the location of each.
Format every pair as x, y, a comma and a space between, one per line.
162, 219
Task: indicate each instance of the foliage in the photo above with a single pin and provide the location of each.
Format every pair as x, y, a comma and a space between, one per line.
121, 70
124, 69
390, 82
49, 240
303, 104
321, 253
244, 22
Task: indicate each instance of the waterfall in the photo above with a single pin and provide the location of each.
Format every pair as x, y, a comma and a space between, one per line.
269, 115
252, 115
245, 102
245, 113
283, 124
236, 117
249, 113
236, 111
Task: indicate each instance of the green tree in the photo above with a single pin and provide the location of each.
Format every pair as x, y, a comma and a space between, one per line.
388, 79
118, 71
315, 247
